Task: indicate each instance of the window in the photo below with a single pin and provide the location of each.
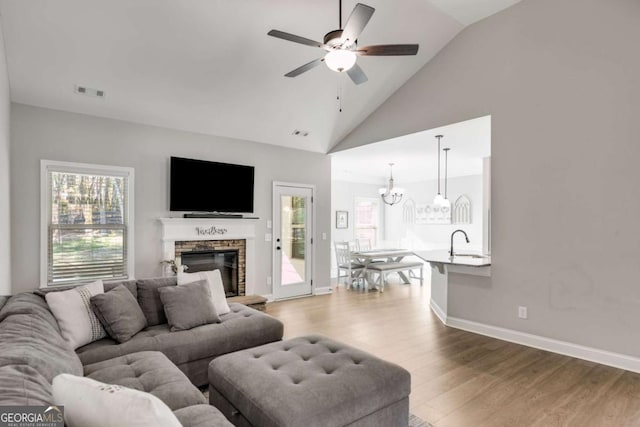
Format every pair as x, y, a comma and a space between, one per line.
366, 220
87, 218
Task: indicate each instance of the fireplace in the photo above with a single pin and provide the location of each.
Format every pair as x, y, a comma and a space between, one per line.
228, 256
225, 260
184, 235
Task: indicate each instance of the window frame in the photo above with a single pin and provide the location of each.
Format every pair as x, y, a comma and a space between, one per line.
378, 217
47, 166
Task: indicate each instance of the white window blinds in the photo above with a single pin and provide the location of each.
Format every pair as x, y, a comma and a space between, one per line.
88, 216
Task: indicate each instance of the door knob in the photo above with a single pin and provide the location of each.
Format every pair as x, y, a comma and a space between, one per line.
277, 248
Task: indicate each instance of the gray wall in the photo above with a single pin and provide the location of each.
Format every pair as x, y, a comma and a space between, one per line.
5, 213
561, 80
39, 133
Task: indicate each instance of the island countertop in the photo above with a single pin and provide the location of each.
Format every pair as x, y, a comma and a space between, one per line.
442, 256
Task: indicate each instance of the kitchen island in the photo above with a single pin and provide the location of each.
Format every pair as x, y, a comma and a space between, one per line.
450, 275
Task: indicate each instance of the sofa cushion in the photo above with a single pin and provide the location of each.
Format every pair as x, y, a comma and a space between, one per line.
201, 416
119, 313
129, 284
148, 371
188, 306
88, 402
3, 300
29, 335
241, 328
149, 298
23, 385
72, 309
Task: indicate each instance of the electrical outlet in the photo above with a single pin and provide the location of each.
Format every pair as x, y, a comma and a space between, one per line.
268, 280
268, 237
522, 312
324, 236
269, 224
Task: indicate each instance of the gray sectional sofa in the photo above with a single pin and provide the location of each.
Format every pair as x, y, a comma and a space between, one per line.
166, 364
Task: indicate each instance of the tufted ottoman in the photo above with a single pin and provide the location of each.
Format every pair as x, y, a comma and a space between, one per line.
309, 381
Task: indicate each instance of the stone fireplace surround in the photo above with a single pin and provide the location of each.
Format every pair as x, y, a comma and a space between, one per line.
210, 245
180, 234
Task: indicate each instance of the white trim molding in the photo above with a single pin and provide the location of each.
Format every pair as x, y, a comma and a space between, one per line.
325, 290
591, 354
92, 169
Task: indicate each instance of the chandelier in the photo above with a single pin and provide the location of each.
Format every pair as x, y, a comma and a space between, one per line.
390, 194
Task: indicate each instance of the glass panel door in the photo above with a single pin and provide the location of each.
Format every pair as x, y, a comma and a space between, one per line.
292, 240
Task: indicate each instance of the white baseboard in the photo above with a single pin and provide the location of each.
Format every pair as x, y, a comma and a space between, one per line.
439, 312
323, 291
269, 297
591, 354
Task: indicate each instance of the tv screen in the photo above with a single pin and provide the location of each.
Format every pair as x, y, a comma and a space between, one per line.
202, 186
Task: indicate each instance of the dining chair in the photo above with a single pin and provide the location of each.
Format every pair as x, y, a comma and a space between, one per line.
363, 244
345, 264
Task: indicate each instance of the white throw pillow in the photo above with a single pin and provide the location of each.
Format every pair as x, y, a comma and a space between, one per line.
214, 278
72, 309
90, 403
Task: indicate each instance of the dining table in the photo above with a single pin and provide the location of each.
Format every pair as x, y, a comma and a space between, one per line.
386, 255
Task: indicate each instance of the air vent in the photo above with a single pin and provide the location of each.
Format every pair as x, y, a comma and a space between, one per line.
301, 133
89, 91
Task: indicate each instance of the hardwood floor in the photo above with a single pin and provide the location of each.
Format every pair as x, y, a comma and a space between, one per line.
463, 379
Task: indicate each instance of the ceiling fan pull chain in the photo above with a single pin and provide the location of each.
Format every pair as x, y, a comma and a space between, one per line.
339, 97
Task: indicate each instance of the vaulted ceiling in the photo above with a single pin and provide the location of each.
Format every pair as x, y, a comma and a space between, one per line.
208, 66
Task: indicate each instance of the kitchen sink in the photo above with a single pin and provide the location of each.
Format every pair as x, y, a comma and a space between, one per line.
469, 255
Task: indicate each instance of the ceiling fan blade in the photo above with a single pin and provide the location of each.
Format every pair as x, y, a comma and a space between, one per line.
356, 23
388, 50
357, 75
293, 38
305, 67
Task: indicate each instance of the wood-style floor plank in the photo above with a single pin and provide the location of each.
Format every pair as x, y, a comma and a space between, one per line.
462, 379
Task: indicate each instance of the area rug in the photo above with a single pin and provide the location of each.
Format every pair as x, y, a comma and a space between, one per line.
416, 421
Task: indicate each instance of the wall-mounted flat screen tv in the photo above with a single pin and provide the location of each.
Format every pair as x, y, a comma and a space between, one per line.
202, 186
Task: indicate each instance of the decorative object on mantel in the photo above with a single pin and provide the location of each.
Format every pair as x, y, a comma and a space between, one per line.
342, 219
390, 194
462, 210
409, 211
170, 263
440, 201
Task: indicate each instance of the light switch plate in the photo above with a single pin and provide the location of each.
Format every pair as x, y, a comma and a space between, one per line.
269, 224
268, 237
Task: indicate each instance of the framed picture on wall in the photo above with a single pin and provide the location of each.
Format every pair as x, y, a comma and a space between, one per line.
342, 219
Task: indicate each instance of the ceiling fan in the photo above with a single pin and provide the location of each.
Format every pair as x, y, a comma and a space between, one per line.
342, 45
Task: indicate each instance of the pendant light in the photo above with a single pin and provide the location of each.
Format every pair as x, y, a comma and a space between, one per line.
439, 200
446, 162
390, 194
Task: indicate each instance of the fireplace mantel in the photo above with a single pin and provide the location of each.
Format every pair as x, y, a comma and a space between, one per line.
194, 229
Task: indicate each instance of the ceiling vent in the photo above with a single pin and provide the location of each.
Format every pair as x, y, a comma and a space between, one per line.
89, 91
301, 133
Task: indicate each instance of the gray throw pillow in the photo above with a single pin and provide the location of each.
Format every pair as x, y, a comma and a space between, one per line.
119, 313
149, 298
189, 305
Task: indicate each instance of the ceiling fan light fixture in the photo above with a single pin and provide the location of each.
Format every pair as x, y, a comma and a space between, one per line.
340, 60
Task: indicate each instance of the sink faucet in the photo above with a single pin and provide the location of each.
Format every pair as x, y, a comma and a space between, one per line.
453, 234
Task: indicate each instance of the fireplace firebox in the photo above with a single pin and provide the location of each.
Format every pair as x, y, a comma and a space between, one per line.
225, 260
